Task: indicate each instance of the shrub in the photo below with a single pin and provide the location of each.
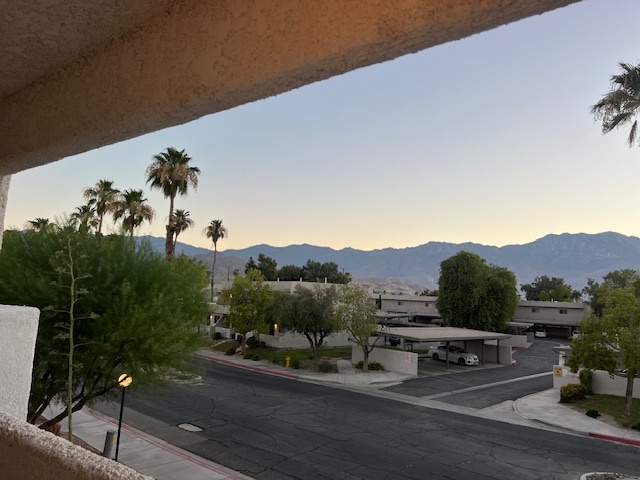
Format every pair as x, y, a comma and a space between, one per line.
253, 342
295, 363
586, 379
248, 356
325, 367
256, 358
230, 351
217, 336
572, 392
593, 413
373, 366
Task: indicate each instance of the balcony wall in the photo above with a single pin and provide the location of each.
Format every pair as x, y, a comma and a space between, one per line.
18, 330
27, 452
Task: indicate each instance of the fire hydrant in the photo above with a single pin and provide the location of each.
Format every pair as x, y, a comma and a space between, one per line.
288, 362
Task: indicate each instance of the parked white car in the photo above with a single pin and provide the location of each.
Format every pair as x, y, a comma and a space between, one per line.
541, 334
456, 355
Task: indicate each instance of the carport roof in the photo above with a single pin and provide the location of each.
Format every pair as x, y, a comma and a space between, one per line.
440, 334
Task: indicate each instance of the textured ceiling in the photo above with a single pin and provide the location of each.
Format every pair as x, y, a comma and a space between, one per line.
40, 36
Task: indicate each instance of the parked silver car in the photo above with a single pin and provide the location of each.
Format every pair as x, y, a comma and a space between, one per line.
456, 354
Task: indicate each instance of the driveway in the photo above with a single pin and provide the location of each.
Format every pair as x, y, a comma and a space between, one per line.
485, 385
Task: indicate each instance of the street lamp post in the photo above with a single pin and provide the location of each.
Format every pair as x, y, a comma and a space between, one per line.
124, 381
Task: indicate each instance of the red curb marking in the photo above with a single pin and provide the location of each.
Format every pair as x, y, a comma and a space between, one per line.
630, 441
248, 367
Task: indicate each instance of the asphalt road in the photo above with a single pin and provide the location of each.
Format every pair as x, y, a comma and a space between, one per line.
269, 427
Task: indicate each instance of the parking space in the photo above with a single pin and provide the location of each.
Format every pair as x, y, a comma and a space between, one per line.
484, 384
428, 367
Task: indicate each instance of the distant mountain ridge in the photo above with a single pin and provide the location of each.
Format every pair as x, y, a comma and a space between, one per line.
574, 257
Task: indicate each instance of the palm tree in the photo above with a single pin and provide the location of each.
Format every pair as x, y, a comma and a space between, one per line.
104, 197
133, 209
215, 231
622, 104
171, 173
85, 216
40, 225
181, 223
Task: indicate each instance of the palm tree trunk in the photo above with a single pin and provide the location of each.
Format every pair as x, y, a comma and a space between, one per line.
213, 269
168, 244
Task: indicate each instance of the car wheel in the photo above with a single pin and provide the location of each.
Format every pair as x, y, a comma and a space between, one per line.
435, 356
461, 361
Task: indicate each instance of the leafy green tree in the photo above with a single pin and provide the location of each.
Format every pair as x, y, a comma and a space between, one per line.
290, 272
314, 271
268, 267
429, 293
621, 105
615, 279
143, 312
133, 209
355, 312
613, 340
104, 198
310, 313
215, 232
547, 288
248, 300
251, 265
171, 173
474, 294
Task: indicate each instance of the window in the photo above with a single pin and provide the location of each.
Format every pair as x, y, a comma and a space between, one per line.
563, 311
400, 303
535, 310
426, 304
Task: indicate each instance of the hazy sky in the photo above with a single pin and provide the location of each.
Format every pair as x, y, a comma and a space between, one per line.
488, 139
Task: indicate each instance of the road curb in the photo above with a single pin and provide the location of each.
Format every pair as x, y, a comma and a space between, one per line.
629, 441
246, 367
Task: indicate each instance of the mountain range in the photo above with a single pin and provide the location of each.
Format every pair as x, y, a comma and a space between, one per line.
574, 257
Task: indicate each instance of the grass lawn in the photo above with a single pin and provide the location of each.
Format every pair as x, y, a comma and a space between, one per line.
611, 408
300, 356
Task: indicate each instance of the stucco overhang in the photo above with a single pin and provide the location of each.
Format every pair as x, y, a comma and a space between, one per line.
79, 74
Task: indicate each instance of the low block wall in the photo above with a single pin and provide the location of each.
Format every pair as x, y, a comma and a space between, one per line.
297, 340
391, 360
27, 452
603, 384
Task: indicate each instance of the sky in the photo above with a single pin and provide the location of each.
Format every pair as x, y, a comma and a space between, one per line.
487, 139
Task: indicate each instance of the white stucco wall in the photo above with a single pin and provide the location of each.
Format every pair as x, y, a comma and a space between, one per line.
18, 330
391, 360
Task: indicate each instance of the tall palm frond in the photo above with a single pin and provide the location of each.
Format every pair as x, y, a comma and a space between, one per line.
181, 221
621, 105
85, 217
104, 197
133, 209
171, 173
40, 225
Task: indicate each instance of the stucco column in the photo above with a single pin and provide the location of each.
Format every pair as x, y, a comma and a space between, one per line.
4, 195
18, 330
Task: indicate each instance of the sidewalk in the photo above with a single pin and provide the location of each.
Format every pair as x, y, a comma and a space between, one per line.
146, 454
163, 461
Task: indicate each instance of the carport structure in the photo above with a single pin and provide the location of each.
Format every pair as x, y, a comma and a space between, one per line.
474, 340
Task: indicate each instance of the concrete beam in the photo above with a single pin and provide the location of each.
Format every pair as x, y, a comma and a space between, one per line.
204, 56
